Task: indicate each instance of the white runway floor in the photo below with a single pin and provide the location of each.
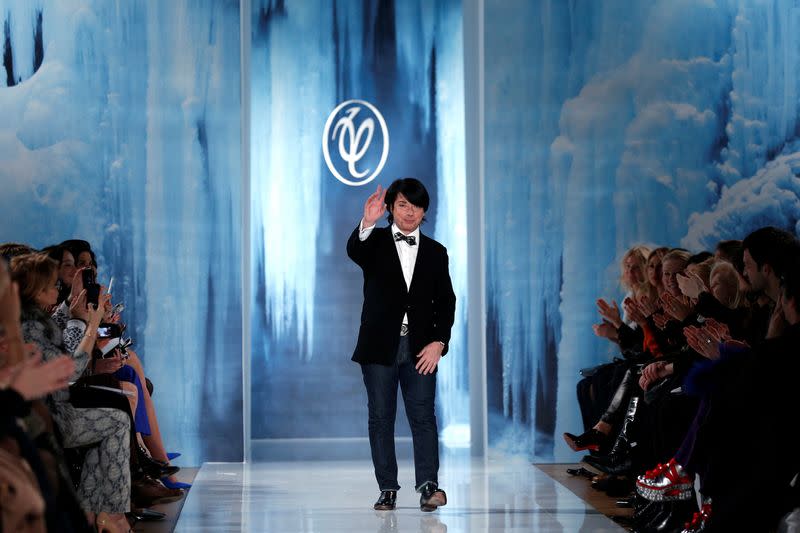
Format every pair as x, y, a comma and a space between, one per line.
497, 495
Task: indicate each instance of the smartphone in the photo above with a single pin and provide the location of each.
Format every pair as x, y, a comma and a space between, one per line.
92, 288
108, 349
107, 331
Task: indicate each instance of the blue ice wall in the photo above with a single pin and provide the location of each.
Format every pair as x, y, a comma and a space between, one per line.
121, 126
611, 124
308, 56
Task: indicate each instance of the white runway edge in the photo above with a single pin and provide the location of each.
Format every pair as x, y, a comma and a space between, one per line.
496, 495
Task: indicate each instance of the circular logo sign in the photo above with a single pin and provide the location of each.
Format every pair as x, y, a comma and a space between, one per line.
350, 133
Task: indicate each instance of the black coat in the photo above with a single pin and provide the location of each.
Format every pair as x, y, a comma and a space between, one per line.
430, 303
754, 406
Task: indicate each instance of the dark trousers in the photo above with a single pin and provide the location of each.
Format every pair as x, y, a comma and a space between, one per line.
419, 393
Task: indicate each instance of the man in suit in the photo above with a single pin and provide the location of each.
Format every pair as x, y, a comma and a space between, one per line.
409, 308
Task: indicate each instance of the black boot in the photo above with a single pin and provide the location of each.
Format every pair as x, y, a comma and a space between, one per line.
676, 516
644, 513
619, 461
670, 516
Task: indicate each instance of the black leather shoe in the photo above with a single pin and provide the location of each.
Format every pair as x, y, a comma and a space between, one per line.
671, 517
590, 440
617, 464
148, 515
387, 501
581, 472
431, 497
613, 485
156, 469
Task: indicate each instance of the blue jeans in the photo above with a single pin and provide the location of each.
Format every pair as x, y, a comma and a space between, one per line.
419, 393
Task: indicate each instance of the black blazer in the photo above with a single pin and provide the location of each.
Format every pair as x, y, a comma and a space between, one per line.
430, 303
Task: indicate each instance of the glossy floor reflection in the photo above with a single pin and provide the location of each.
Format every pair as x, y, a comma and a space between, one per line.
497, 495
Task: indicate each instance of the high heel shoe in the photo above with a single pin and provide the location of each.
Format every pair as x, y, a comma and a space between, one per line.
619, 461
175, 484
590, 440
665, 482
153, 467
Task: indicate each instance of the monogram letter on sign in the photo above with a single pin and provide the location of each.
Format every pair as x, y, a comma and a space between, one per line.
354, 140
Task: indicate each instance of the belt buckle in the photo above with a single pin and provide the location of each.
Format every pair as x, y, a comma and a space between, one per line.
404, 330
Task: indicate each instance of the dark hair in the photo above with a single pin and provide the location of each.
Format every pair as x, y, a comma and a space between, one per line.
733, 252
771, 246
56, 251
412, 189
9, 250
78, 246
698, 258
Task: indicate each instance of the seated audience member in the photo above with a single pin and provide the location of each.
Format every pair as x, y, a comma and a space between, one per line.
105, 484
615, 410
732, 252
131, 369
40, 489
66, 269
634, 280
770, 258
598, 387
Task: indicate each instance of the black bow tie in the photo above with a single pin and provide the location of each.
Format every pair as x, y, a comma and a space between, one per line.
410, 239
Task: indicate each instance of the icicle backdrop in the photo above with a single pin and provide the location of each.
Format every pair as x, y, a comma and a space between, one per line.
611, 123
406, 58
120, 125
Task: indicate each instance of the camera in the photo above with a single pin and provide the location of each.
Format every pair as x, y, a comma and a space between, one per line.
107, 331
91, 286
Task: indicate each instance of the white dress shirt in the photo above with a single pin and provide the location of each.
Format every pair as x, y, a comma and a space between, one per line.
406, 253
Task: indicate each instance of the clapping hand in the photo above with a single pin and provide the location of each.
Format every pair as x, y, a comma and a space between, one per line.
605, 329
702, 342
648, 306
660, 320
34, 378
609, 312
374, 208
691, 284
634, 311
677, 308
707, 339
718, 330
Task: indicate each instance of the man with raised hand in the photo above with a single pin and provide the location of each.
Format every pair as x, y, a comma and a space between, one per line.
408, 311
